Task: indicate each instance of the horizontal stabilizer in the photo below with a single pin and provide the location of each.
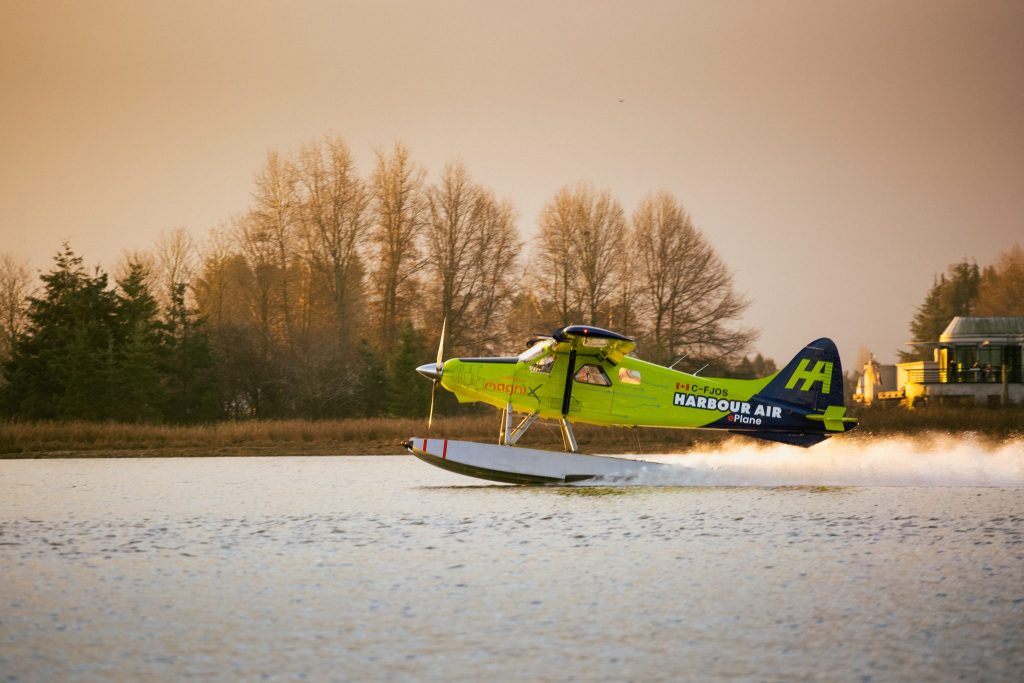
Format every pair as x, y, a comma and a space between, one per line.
834, 418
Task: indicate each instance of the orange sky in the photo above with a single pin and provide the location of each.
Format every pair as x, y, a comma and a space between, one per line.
836, 154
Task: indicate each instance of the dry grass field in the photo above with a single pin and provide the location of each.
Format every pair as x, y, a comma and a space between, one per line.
383, 436
989, 424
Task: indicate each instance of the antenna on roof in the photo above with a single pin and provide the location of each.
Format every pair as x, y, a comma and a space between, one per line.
678, 360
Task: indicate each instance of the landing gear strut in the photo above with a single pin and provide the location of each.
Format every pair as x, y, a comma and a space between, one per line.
568, 437
509, 436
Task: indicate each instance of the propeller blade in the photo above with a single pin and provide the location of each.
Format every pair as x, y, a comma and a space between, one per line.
433, 391
440, 344
438, 367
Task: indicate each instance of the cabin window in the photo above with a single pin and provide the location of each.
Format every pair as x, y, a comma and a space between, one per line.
592, 374
627, 376
544, 365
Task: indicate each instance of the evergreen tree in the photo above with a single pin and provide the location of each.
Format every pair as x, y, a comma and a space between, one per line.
60, 364
135, 373
189, 387
953, 293
752, 368
371, 381
93, 354
408, 395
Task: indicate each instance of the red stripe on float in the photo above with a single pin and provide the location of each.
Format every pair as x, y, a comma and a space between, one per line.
424, 445
444, 453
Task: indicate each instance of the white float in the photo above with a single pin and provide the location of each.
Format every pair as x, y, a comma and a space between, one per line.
515, 465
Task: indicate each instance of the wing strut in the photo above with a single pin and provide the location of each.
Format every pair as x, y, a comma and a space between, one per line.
569, 372
568, 437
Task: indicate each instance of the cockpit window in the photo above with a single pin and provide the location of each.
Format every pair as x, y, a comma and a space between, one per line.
532, 352
544, 365
627, 376
536, 350
592, 374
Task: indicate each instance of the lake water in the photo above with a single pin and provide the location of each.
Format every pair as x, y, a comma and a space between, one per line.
861, 562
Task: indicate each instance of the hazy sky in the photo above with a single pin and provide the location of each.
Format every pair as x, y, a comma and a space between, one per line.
837, 155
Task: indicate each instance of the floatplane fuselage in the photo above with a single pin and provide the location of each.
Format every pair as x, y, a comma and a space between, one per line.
583, 374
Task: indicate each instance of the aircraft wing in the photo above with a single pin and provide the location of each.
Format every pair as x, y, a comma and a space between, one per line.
593, 341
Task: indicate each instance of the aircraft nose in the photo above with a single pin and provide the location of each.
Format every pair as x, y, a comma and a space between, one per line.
431, 371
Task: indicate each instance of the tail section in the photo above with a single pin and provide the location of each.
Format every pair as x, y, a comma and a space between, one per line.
805, 398
813, 380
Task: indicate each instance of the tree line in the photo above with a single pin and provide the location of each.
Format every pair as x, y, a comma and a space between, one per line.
321, 299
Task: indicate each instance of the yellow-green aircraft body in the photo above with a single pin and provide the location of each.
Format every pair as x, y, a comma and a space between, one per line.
585, 374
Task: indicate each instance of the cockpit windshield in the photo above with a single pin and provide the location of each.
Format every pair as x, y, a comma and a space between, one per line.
536, 351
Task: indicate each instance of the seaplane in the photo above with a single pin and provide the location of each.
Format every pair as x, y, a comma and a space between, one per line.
585, 374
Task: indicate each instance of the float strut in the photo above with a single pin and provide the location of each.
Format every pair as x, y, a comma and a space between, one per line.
568, 438
520, 429
506, 432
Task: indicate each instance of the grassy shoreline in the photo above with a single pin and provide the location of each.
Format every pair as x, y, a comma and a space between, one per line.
383, 436
378, 436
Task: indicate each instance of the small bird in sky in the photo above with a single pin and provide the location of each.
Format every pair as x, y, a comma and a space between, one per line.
621, 100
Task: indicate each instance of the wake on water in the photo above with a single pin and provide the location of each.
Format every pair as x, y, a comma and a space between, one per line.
934, 462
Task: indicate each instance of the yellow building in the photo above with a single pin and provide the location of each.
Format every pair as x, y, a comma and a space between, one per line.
976, 361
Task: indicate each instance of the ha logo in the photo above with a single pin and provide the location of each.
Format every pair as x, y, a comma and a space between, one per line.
822, 372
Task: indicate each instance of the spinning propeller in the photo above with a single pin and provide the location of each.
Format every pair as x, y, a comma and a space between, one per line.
433, 372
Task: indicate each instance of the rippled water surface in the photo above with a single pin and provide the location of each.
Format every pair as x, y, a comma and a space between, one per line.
383, 568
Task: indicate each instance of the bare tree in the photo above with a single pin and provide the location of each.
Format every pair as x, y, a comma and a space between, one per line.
1001, 291
555, 264
579, 255
172, 263
281, 287
176, 256
214, 284
260, 278
623, 308
399, 215
684, 288
15, 289
472, 249
600, 229
499, 263
271, 231
236, 305
334, 221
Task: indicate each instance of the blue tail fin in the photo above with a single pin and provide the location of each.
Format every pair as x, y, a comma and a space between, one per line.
806, 398
813, 380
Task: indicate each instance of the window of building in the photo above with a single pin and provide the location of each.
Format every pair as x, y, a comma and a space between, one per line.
592, 374
990, 355
627, 376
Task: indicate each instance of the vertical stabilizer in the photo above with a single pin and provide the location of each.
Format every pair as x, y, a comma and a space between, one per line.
813, 380
806, 399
